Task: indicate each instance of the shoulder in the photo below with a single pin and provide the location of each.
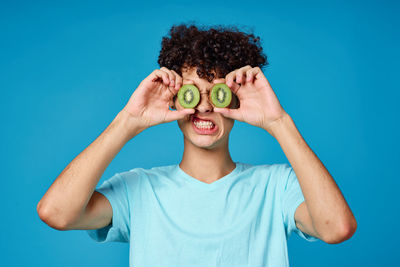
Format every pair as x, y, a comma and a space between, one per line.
266, 172
138, 175
270, 169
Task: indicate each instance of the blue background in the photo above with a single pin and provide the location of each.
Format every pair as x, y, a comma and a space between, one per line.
67, 69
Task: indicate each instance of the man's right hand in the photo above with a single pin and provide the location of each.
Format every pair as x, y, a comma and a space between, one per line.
149, 103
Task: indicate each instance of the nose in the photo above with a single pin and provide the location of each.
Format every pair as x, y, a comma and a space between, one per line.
204, 105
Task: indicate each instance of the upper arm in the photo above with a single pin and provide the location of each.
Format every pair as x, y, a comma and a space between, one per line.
97, 214
303, 220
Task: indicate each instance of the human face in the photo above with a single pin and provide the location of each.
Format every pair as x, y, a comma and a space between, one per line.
205, 137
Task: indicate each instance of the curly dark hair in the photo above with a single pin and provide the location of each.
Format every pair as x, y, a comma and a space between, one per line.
215, 51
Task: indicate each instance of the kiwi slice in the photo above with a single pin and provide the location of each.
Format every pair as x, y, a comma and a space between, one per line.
188, 96
221, 95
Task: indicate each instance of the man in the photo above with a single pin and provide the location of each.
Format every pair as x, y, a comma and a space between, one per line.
208, 210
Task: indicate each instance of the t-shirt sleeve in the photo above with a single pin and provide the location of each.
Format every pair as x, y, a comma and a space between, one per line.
115, 190
292, 197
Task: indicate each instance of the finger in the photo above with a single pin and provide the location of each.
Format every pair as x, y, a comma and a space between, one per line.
178, 114
171, 76
178, 81
238, 77
230, 113
229, 78
231, 84
159, 74
234, 87
250, 74
162, 75
240, 73
167, 73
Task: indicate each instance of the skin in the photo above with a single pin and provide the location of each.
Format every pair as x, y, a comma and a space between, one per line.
71, 203
324, 213
205, 157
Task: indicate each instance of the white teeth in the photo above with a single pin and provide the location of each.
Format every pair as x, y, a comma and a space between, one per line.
203, 124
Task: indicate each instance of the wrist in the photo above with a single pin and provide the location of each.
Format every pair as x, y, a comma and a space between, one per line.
126, 125
276, 127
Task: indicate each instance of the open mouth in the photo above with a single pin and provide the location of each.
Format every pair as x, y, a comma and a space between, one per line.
203, 126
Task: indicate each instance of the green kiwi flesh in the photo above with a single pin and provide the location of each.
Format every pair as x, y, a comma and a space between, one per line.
221, 95
188, 96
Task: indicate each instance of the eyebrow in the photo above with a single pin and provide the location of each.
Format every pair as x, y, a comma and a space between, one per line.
208, 89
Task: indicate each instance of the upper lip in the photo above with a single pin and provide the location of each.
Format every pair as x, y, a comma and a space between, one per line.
206, 119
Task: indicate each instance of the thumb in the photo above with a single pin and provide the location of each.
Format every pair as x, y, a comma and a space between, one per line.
178, 114
230, 113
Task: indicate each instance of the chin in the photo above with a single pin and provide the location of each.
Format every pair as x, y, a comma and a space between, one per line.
203, 142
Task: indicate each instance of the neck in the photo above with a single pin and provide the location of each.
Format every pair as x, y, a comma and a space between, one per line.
206, 165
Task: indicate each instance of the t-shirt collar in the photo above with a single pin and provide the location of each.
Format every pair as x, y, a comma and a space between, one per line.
197, 183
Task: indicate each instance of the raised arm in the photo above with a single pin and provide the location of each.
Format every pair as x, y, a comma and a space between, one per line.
71, 202
324, 213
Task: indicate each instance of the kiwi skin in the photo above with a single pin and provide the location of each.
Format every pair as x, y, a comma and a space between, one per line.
182, 93
227, 93
235, 103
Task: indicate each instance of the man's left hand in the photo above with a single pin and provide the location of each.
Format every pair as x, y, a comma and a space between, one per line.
259, 105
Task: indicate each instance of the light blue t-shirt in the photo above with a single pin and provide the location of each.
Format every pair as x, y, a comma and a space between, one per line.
172, 219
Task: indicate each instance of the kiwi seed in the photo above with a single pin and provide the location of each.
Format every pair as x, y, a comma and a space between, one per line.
188, 96
221, 95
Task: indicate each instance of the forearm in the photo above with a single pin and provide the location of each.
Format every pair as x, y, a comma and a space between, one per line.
69, 194
325, 203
